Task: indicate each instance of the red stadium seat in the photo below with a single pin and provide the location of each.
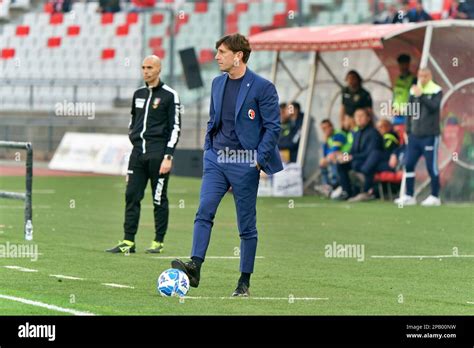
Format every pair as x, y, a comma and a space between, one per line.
160, 52
201, 7
54, 42
386, 179
206, 55
181, 19
56, 18
155, 42
108, 53
231, 23
255, 29
390, 177
7, 53
73, 30
156, 18
48, 7
241, 7
122, 30
107, 18
279, 20
132, 18
291, 5
22, 30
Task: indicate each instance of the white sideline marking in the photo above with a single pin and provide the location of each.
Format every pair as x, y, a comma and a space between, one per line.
207, 257
21, 269
45, 305
173, 206
113, 285
23, 207
417, 256
65, 277
470, 302
39, 191
314, 205
259, 298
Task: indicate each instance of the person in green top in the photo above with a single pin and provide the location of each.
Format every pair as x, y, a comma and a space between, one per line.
335, 143
401, 90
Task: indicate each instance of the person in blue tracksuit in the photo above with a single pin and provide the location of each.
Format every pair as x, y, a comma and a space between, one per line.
241, 139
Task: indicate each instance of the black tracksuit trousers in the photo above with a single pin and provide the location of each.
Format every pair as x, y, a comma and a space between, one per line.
141, 169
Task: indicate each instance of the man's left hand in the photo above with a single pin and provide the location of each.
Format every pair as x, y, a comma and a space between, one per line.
166, 165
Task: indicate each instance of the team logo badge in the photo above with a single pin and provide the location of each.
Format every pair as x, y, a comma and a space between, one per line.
251, 114
356, 98
156, 102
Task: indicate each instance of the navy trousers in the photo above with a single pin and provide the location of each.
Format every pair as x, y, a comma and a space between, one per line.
368, 167
428, 148
216, 180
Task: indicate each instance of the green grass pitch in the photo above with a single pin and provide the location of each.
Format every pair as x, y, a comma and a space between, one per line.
77, 218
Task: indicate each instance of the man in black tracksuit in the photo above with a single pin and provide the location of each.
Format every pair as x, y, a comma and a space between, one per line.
154, 132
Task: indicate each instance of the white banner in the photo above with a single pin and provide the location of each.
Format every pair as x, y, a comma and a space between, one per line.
92, 152
287, 183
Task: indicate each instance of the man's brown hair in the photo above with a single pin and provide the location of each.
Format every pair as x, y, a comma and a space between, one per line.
235, 43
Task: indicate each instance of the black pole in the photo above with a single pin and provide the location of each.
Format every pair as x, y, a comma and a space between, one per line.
300, 13
28, 194
223, 28
171, 53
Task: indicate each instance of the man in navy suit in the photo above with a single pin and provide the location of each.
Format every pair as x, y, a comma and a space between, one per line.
241, 139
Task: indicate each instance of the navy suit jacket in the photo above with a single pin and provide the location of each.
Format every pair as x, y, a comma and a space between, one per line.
257, 118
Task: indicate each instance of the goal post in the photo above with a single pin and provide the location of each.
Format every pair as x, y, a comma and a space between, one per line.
27, 196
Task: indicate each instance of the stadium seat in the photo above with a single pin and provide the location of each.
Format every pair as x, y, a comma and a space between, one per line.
386, 179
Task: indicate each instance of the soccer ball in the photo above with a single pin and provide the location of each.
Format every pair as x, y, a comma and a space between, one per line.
173, 282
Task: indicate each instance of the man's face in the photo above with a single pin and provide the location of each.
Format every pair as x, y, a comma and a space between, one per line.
347, 122
226, 59
151, 69
424, 77
382, 128
293, 112
404, 67
352, 81
327, 129
361, 118
284, 115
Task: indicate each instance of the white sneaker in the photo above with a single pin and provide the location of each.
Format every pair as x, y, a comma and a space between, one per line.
336, 193
431, 201
405, 200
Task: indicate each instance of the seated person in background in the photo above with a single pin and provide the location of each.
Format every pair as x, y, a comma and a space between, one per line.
354, 96
289, 136
391, 146
335, 142
296, 115
349, 128
106, 6
418, 14
365, 154
62, 5
466, 10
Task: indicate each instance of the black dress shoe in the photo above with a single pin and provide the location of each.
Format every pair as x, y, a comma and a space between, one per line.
191, 269
242, 290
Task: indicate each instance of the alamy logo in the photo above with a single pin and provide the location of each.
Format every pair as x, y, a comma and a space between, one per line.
37, 331
237, 156
345, 251
70, 109
14, 251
